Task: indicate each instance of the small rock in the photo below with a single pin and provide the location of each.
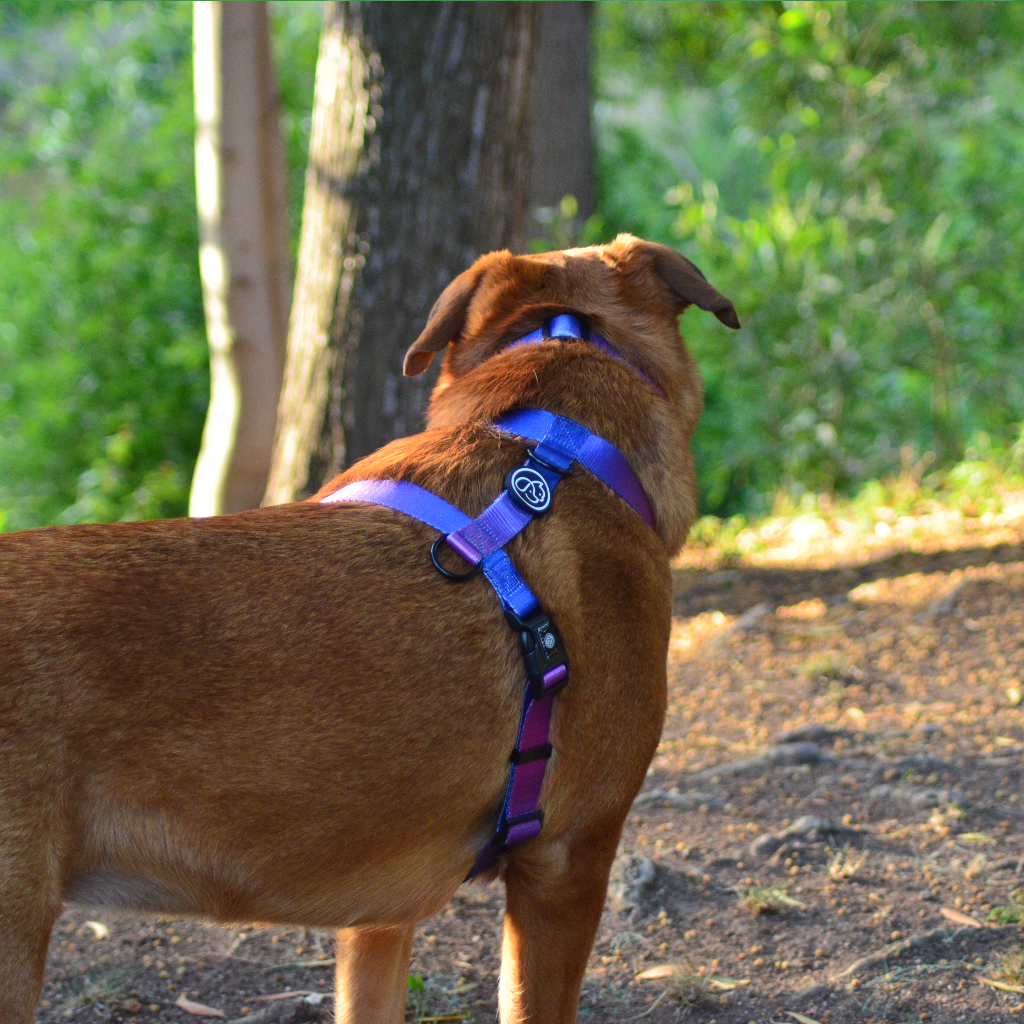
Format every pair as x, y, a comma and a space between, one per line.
944, 606
920, 798
690, 801
814, 992
814, 733
917, 763
784, 754
751, 618
718, 863
797, 753
813, 829
285, 1011
631, 880
765, 845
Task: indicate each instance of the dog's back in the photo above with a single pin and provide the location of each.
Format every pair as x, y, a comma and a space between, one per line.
169, 689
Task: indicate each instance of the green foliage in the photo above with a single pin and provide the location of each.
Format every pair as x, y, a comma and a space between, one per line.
851, 176
438, 998
1011, 913
103, 359
102, 348
985, 481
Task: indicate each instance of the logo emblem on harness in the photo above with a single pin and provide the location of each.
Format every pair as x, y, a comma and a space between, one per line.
529, 490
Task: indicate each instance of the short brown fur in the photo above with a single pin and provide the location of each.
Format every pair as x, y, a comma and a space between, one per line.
287, 715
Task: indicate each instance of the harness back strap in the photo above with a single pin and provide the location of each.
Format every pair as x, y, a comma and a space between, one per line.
527, 494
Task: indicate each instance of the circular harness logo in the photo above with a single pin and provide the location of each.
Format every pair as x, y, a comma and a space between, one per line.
530, 490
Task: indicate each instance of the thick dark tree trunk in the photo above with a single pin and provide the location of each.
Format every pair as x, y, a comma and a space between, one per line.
419, 162
562, 143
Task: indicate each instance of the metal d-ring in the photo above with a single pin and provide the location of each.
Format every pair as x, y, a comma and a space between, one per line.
455, 577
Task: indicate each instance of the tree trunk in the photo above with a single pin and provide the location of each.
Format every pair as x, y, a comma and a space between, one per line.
562, 142
418, 163
243, 255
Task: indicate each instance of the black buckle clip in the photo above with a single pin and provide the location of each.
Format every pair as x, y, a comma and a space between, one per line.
542, 650
501, 836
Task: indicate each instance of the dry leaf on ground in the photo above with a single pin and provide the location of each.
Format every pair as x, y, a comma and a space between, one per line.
197, 1009
957, 917
1002, 986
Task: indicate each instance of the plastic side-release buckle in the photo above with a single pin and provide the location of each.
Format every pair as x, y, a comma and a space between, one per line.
547, 664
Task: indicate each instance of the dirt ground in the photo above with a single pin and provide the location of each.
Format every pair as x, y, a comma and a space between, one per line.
832, 829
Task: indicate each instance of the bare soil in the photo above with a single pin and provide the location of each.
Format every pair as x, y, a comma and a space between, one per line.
837, 797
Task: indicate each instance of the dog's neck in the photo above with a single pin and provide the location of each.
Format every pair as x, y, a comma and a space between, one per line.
568, 327
605, 396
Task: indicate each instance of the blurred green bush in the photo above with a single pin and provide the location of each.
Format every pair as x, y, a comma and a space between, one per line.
103, 360
852, 176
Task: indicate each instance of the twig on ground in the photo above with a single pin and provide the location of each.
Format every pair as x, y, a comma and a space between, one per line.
947, 936
649, 1009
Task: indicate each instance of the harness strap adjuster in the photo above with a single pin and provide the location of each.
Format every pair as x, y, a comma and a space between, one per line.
514, 820
541, 753
545, 464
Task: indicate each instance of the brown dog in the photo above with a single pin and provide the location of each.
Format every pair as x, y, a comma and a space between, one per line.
162, 683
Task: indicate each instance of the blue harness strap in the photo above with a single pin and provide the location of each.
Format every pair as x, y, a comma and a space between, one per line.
527, 494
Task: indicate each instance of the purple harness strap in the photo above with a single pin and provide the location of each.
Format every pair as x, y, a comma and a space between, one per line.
480, 541
601, 457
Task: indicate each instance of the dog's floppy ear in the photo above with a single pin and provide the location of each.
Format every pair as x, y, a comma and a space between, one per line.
690, 285
446, 320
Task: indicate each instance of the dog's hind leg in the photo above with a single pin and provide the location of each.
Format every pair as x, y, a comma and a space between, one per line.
554, 899
372, 974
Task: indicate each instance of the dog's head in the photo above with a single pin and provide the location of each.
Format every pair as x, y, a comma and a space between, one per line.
630, 292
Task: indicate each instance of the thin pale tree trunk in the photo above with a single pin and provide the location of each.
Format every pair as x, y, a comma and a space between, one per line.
243, 255
419, 162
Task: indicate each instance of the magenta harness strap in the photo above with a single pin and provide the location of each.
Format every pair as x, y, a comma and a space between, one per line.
527, 494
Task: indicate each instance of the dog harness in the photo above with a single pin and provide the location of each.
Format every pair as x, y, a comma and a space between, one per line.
527, 494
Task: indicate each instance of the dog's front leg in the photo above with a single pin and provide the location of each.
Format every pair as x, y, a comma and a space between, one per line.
373, 974
553, 906
24, 935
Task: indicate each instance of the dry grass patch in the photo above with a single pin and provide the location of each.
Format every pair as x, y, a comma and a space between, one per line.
764, 899
845, 864
1009, 974
1009, 913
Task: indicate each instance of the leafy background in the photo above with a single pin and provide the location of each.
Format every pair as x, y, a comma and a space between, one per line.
104, 376
850, 174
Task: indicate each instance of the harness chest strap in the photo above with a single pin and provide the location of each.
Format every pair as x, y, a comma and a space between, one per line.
527, 494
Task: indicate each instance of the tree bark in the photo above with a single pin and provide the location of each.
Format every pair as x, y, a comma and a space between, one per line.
562, 140
419, 162
243, 256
